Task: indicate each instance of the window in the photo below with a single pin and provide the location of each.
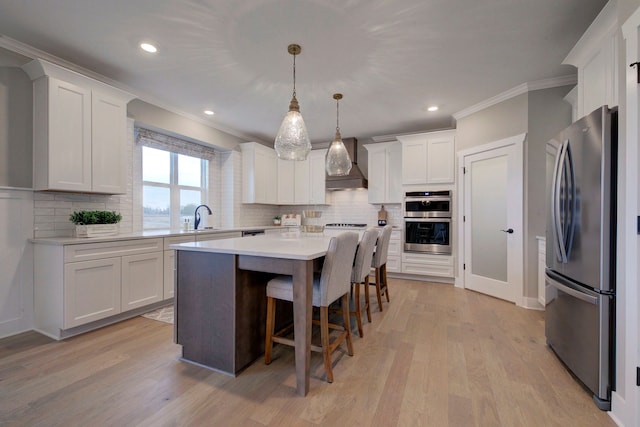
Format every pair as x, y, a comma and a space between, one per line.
173, 185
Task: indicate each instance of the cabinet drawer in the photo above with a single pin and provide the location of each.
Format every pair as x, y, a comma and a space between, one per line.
394, 264
428, 269
435, 260
179, 239
89, 251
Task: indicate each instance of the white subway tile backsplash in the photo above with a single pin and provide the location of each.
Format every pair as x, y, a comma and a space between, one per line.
52, 204
43, 196
44, 211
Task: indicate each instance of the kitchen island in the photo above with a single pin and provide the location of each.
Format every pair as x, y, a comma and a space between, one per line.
221, 298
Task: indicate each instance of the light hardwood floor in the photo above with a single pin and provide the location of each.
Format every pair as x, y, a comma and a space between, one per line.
437, 356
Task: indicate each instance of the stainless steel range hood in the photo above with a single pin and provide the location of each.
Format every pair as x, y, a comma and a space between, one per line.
355, 179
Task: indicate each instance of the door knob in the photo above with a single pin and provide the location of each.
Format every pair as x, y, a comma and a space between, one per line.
510, 231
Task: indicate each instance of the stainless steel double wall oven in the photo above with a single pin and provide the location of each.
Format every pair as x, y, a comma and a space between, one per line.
427, 222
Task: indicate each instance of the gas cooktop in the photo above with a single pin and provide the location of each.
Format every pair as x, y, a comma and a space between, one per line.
345, 225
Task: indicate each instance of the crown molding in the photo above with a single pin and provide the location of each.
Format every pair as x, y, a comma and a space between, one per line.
34, 53
516, 91
605, 25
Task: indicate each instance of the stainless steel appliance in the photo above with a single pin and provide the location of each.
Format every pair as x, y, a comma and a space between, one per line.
581, 242
427, 222
427, 204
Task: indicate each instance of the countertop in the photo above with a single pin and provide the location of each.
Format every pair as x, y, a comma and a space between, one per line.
149, 234
289, 245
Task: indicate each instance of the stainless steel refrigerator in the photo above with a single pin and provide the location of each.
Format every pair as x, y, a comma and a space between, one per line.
581, 248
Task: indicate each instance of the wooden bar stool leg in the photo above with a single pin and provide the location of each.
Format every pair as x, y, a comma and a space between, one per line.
386, 285
378, 288
324, 337
268, 342
358, 313
347, 323
366, 297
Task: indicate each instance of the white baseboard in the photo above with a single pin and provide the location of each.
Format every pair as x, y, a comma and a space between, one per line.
531, 303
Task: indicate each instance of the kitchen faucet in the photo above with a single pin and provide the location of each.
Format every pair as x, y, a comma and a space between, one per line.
196, 221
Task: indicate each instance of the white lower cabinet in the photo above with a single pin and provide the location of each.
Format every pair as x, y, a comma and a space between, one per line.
427, 265
142, 280
394, 256
91, 291
76, 284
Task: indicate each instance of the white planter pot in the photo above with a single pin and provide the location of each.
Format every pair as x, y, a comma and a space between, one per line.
97, 230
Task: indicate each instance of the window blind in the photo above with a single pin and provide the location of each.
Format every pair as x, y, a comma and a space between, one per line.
153, 139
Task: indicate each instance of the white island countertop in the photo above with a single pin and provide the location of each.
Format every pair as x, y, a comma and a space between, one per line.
289, 245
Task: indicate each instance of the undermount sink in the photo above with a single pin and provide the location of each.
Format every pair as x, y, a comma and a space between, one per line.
206, 229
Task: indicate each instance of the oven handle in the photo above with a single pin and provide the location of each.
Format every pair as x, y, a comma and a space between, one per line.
427, 219
427, 199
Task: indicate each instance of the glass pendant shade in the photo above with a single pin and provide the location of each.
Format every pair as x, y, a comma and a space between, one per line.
337, 160
292, 141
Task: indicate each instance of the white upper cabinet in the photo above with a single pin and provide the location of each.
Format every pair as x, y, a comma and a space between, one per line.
108, 144
317, 177
79, 130
428, 158
596, 58
293, 182
302, 182
259, 174
286, 175
267, 179
385, 177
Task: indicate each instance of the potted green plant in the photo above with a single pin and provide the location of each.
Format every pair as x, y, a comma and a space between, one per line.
276, 220
95, 223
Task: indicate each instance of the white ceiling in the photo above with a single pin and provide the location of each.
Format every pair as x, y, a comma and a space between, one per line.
390, 58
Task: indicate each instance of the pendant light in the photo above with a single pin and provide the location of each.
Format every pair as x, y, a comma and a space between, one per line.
337, 160
292, 141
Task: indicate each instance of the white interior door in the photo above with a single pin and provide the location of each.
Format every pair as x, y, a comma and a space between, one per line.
493, 220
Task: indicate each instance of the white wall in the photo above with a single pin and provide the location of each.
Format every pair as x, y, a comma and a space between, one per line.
15, 128
16, 262
540, 114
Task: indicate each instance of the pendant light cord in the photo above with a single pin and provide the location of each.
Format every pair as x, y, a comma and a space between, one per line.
337, 115
294, 76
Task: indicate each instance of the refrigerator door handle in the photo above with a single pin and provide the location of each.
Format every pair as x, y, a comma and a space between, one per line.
573, 292
571, 228
555, 201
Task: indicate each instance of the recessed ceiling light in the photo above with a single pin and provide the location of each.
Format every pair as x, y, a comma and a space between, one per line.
209, 112
148, 47
433, 108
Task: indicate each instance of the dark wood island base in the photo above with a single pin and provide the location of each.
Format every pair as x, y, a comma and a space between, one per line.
221, 310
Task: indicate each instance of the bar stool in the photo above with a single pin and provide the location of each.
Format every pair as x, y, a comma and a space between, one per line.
360, 275
332, 284
379, 263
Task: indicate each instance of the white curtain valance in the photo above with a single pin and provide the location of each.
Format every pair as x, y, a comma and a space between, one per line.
153, 139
